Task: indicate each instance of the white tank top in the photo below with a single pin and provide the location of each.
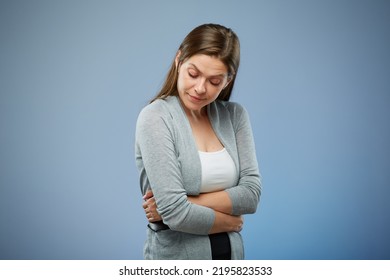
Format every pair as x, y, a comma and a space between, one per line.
218, 171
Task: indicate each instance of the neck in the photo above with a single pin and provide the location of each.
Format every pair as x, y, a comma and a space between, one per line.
197, 115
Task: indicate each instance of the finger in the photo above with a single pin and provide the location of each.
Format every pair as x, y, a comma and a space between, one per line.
148, 195
145, 205
152, 204
149, 202
150, 217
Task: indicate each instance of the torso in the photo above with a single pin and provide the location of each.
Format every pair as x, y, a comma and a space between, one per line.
218, 171
205, 137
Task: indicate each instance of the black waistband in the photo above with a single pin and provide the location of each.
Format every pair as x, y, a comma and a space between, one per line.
220, 246
158, 226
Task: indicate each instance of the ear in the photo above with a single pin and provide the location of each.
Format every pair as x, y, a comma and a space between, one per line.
177, 59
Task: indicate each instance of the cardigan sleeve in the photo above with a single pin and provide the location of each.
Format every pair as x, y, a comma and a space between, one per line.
245, 196
160, 170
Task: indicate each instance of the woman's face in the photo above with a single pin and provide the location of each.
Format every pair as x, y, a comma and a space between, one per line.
201, 79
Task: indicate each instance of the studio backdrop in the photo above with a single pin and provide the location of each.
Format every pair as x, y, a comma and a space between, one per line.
314, 77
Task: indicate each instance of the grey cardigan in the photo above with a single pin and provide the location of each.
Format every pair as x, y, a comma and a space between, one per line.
168, 161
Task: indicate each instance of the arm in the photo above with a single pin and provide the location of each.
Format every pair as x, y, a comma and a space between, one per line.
223, 222
246, 195
156, 158
226, 223
243, 198
219, 201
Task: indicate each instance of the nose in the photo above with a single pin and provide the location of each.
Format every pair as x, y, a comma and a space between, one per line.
200, 86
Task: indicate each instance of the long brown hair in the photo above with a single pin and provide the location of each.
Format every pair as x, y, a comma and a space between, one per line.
209, 39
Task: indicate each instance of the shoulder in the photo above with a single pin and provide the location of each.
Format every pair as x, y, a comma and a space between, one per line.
157, 106
233, 112
160, 108
234, 109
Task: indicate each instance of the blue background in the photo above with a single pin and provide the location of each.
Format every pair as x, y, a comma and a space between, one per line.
74, 75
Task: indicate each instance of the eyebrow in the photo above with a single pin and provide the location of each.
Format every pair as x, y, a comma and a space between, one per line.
212, 76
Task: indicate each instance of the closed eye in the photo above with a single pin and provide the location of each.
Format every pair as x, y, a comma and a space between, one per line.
192, 74
215, 82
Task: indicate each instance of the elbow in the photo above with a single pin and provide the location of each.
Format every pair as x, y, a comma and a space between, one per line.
246, 202
246, 206
255, 199
252, 205
255, 202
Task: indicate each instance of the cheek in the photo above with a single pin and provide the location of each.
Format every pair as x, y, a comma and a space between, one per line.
215, 91
183, 83
179, 83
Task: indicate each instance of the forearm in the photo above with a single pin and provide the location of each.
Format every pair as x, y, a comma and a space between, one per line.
218, 201
221, 203
226, 223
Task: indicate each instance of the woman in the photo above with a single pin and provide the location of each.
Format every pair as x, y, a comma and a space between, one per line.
196, 154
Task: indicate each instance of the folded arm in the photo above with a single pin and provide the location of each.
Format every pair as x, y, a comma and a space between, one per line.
223, 222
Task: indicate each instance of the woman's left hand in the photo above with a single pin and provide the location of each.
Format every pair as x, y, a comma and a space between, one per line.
150, 207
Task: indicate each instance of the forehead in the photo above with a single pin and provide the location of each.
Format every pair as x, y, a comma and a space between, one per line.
208, 65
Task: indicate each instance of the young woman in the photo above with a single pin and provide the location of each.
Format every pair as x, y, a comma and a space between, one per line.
196, 154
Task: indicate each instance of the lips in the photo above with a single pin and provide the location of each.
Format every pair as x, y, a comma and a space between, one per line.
194, 98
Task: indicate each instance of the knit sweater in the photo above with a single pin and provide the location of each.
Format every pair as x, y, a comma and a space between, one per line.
169, 164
